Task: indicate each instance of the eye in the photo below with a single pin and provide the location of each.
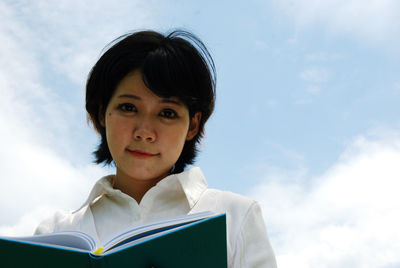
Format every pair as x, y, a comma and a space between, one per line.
168, 113
127, 107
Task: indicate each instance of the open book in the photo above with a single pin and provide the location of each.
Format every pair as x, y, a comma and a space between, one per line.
195, 240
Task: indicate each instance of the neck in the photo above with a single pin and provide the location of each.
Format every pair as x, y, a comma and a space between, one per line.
136, 188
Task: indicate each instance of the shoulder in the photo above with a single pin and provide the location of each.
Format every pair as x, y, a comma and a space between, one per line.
235, 206
239, 209
227, 201
62, 221
52, 223
78, 220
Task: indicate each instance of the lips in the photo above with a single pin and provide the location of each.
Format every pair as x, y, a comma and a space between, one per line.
141, 154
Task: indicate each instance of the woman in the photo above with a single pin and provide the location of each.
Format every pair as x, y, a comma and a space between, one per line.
148, 97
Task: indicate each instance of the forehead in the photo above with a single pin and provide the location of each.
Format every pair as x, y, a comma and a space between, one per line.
133, 87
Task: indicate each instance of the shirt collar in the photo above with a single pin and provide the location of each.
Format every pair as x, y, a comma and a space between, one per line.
193, 184
191, 181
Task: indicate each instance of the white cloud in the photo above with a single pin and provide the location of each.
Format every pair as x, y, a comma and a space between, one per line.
347, 217
45, 47
69, 35
27, 223
372, 19
37, 181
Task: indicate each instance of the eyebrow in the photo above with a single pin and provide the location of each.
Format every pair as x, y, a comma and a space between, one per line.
163, 100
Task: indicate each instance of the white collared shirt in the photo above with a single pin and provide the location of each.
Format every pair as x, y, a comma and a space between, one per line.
108, 211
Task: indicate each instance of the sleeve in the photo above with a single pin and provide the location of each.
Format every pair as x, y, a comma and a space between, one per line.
44, 227
253, 248
50, 224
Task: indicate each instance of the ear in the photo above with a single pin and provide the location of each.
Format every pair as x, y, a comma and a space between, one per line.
194, 126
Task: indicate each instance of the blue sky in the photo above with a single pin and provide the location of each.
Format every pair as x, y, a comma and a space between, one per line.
306, 120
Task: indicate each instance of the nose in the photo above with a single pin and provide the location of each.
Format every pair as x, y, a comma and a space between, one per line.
144, 131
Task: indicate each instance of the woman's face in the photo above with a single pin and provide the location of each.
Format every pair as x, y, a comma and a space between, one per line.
146, 133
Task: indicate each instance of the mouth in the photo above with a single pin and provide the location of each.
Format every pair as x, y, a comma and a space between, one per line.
140, 154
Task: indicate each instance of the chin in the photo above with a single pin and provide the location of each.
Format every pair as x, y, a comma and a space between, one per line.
146, 174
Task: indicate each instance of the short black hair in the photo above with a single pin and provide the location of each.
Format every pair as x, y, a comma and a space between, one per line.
177, 64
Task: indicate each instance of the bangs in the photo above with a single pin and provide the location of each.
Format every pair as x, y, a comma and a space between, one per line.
168, 72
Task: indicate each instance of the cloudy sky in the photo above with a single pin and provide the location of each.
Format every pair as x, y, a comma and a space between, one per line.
307, 119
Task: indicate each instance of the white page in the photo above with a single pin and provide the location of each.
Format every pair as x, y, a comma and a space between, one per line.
156, 225
69, 239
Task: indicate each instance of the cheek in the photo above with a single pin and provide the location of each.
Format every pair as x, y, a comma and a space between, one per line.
117, 131
174, 140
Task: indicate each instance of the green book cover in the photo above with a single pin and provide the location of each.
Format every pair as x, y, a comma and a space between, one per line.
197, 244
